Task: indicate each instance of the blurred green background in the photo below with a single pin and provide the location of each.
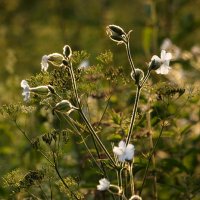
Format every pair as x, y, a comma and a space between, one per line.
31, 28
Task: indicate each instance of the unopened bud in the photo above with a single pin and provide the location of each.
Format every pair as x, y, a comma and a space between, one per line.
55, 59
115, 189
51, 89
41, 90
64, 106
116, 33
155, 63
137, 76
67, 51
135, 197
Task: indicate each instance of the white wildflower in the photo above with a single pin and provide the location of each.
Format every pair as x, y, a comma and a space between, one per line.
124, 152
161, 65
26, 90
104, 184
44, 63
84, 64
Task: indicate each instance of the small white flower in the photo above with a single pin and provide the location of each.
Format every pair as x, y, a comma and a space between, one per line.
44, 63
104, 184
26, 90
162, 64
124, 152
84, 64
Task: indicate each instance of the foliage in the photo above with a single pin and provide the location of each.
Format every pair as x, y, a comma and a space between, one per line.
37, 146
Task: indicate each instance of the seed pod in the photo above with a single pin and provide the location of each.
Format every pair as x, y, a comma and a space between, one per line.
67, 52
63, 106
55, 59
154, 64
138, 76
41, 90
116, 34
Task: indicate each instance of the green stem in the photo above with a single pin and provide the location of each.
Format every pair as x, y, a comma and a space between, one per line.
149, 159
148, 116
89, 126
133, 114
145, 78
92, 131
61, 178
29, 140
132, 179
69, 121
129, 56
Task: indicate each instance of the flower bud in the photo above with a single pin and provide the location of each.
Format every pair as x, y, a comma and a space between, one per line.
115, 189
55, 59
154, 64
64, 106
41, 90
51, 89
116, 33
135, 197
67, 52
137, 76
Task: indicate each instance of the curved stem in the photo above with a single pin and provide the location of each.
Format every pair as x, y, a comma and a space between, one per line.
29, 140
61, 178
133, 114
129, 56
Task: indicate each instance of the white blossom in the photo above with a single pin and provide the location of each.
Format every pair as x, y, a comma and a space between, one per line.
104, 184
84, 64
44, 63
124, 152
162, 63
26, 90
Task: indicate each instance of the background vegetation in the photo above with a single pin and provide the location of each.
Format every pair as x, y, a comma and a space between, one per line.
30, 29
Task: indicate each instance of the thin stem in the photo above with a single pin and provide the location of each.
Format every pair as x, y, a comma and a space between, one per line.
132, 179
89, 126
61, 178
133, 114
44, 195
51, 191
145, 78
76, 130
29, 140
148, 116
149, 159
129, 56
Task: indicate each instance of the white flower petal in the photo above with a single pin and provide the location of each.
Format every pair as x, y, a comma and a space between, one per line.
168, 56
44, 63
156, 58
122, 144
163, 55
104, 184
118, 151
130, 151
122, 157
164, 69
24, 84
